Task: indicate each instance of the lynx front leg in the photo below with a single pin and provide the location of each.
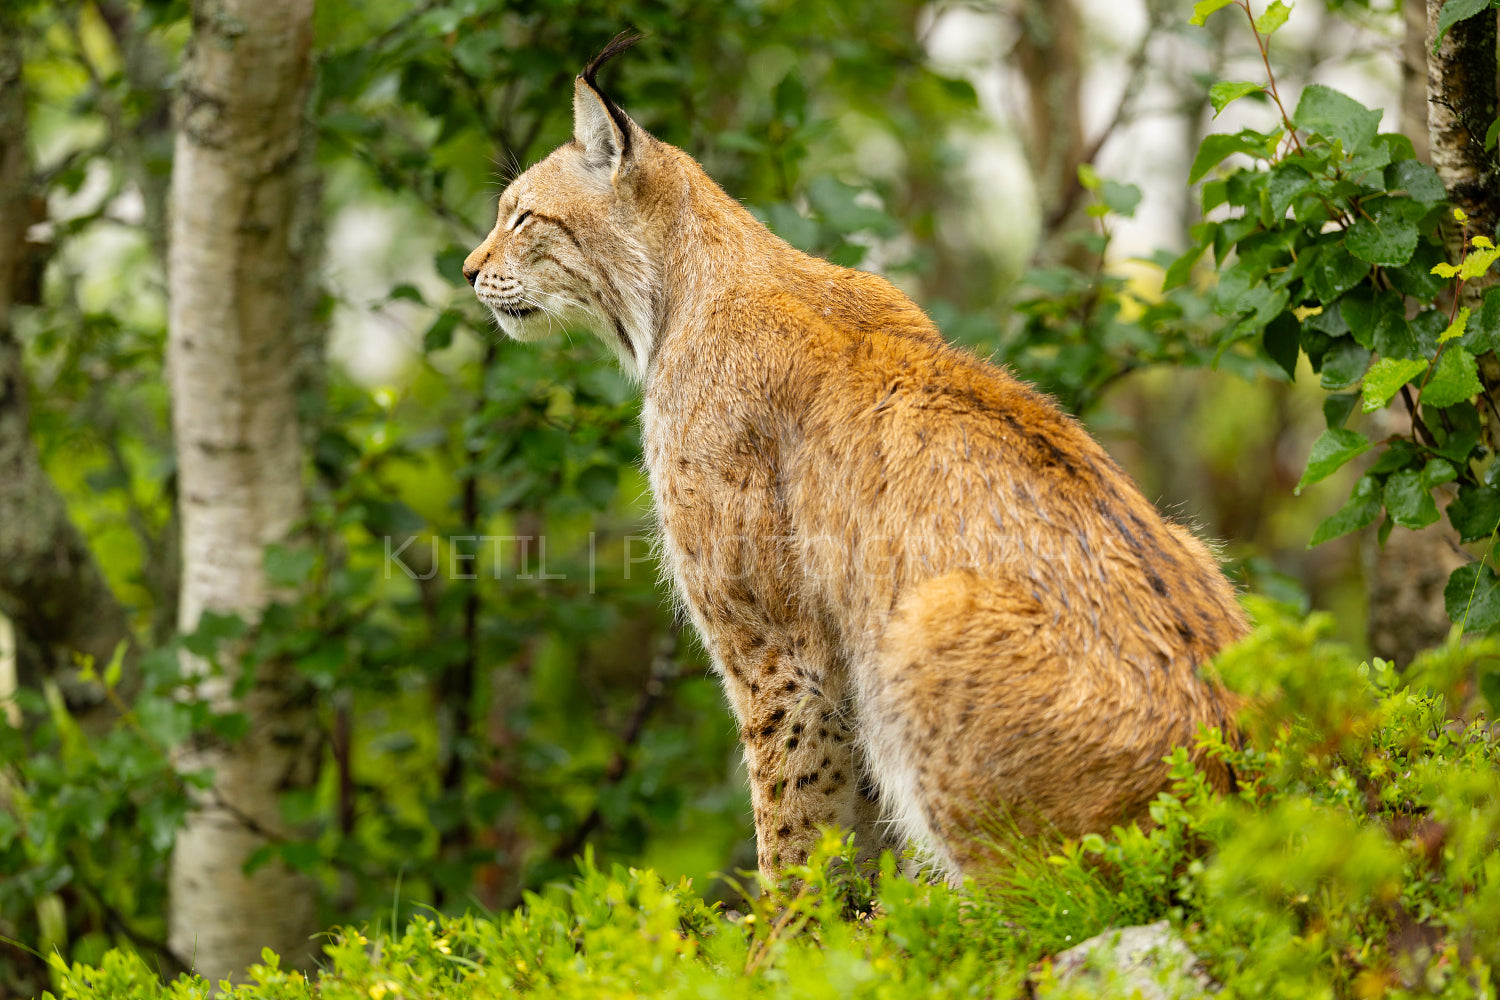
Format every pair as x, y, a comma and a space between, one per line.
806, 769
786, 684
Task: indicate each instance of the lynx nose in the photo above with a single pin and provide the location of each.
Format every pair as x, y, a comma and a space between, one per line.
471, 272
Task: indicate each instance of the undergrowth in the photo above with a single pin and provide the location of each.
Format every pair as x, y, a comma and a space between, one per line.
1356, 858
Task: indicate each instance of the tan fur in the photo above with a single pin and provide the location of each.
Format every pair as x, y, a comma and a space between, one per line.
933, 598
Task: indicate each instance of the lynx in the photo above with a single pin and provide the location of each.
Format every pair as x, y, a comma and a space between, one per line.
934, 600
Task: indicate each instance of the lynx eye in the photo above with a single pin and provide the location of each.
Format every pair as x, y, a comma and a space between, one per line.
520, 219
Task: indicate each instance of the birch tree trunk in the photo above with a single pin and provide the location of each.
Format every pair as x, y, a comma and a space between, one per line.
1448, 102
1460, 108
1454, 106
231, 362
50, 585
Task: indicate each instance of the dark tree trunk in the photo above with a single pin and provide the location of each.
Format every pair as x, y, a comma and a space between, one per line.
50, 585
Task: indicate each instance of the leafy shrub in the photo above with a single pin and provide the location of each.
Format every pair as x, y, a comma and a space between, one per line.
1357, 856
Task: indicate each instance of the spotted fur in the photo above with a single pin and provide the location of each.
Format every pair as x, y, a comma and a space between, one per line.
936, 603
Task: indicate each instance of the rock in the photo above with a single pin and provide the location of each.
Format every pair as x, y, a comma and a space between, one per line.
1150, 962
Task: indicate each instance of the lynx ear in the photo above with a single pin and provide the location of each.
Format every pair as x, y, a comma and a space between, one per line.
600, 127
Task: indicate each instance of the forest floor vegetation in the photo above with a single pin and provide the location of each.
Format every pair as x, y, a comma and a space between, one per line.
1357, 858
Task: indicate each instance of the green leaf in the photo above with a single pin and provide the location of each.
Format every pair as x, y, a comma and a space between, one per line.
440, 334
289, 567
116, 666
1333, 449
1395, 337
1333, 115
1409, 499
1489, 686
1438, 471
1288, 181
405, 291
1454, 11
1214, 148
1372, 157
1120, 199
391, 517
1361, 510
258, 859
1455, 378
1386, 239
301, 855
792, 226
1223, 93
1420, 182
212, 629
1316, 339
1362, 311
1456, 328
1386, 377
1335, 271
597, 484
1344, 365
1330, 322
1203, 8
1283, 342
1492, 134
840, 206
1337, 406
450, 264
1477, 262
1399, 455
1458, 433
1398, 146
1274, 17
1415, 277
1182, 268
1475, 512
1472, 597
1483, 332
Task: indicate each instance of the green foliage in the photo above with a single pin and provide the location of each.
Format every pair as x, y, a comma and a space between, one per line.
1329, 246
1356, 857
1077, 330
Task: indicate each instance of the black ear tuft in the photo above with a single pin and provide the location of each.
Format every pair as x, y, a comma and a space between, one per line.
624, 40
617, 44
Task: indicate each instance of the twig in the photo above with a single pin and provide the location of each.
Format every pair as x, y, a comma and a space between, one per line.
1265, 58
1418, 425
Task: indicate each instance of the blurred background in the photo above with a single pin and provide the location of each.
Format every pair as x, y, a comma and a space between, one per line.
483, 710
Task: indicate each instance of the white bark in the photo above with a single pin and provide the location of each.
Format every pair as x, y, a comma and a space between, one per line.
230, 363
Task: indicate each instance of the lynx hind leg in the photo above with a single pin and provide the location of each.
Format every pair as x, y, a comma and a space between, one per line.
976, 727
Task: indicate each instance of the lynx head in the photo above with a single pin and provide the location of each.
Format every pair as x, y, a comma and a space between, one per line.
578, 239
